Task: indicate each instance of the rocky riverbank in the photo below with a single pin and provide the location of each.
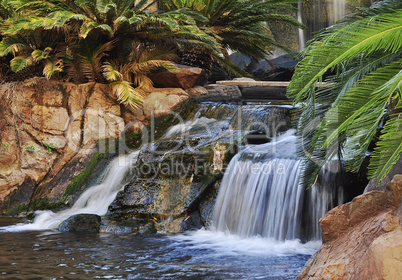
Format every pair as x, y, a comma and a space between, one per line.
362, 239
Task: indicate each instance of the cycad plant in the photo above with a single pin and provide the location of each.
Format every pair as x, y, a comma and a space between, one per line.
97, 41
342, 118
238, 25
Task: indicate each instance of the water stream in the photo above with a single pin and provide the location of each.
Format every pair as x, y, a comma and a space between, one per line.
259, 221
94, 200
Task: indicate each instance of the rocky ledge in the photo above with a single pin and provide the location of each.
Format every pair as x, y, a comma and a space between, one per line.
362, 239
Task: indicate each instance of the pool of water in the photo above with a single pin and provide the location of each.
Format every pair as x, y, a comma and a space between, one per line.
194, 255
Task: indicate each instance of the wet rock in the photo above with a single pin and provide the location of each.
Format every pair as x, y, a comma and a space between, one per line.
148, 229
223, 90
206, 208
362, 239
184, 77
171, 185
19, 194
81, 223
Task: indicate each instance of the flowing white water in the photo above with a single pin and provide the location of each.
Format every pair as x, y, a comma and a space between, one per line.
337, 10
302, 37
317, 15
97, 199
225, 244
260, 195
94, 200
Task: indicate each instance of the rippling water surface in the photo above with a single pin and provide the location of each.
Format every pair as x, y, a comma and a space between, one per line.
197, 255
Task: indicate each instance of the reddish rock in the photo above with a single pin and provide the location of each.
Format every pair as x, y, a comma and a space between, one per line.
184, 77
362, 239
335, 222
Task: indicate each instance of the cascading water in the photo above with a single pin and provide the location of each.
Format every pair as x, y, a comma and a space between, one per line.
260, 195
260, 203
94, 200
97, 199
329, 12
302, 37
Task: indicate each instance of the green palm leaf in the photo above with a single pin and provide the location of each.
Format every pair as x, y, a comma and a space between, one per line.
19, 63
126, 94
389, 147
381, 33
341, 120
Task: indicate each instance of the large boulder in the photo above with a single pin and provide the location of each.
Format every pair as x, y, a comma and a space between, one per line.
361, 239
81, 223
172, 185
184, 77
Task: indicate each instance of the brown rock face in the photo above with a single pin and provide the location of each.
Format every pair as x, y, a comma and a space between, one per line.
362, 239
49, 130
44, 124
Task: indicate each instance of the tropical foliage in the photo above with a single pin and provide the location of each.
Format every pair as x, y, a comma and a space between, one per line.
238, 25
120, 41
114, 41
341, 119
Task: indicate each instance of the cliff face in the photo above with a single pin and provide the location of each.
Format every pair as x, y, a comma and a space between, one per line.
50, 133
46, 125
362, 239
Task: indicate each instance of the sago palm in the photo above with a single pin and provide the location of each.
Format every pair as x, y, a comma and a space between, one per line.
340, 119
93, 34
238, 25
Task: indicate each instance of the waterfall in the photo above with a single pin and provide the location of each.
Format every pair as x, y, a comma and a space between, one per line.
94, 200
302, 38
260, 195
329, 12
337, 10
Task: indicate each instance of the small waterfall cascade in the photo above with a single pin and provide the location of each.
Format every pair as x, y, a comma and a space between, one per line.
260, 195
302, 37
337, 10
95, 200
320, 14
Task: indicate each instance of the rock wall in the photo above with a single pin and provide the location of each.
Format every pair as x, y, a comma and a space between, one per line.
46, 125
362, 239
50, 132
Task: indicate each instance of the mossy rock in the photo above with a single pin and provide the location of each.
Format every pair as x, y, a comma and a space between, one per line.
26, 210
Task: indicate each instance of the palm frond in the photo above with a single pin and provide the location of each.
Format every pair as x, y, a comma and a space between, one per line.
381, 33
389, 146
110, 72
52, 66
19, 63
126, 94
